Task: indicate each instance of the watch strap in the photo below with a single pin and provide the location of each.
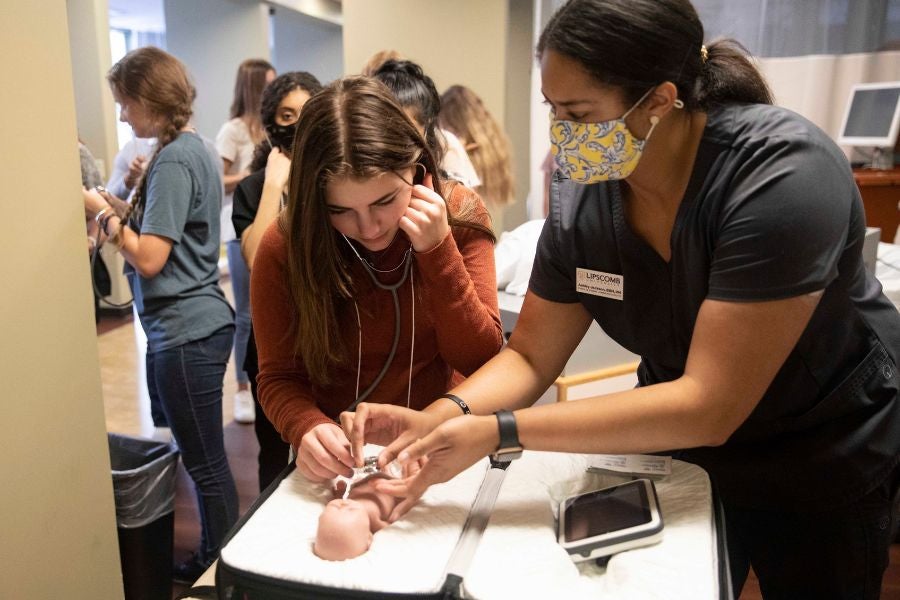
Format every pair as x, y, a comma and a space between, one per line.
509, 447
459, 402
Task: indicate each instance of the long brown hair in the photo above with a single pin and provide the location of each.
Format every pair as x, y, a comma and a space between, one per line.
248, 88
353, 128
464, 114
161, 83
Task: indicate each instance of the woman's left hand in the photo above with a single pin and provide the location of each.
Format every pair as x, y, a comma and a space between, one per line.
94, 202
425, 221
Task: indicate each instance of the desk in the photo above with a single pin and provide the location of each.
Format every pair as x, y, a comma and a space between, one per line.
880, 191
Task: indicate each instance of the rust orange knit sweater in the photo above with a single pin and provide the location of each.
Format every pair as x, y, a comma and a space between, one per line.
457, 328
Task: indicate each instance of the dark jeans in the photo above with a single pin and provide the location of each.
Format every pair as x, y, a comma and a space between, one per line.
273, 451
839, 553
186, 383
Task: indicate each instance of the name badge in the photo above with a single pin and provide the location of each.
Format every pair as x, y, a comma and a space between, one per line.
598, 283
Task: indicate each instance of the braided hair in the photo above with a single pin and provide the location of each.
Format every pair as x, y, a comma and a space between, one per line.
161, 84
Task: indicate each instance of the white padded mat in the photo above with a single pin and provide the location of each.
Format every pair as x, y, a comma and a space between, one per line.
518, 556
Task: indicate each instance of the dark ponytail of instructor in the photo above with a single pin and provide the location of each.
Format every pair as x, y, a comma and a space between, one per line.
636, 44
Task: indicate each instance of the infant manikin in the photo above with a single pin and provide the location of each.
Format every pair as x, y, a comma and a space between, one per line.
347, 525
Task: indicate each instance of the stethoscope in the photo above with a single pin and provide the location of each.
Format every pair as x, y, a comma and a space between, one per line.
406, 264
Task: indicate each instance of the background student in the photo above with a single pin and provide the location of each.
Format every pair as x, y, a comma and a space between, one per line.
464, 114
235, 143
170, 241
258, 200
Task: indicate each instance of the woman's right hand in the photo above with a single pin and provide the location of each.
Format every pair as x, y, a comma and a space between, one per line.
136, 169
324, 453
394, 427
278, 168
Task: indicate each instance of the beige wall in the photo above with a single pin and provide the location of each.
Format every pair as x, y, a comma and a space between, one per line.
463, 41
89, 45
212, 38
483, 44
519, 71
818, 87
57, 520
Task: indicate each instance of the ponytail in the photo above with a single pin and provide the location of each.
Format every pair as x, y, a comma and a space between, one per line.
728, 75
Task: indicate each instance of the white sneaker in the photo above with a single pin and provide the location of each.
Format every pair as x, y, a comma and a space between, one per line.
244, 410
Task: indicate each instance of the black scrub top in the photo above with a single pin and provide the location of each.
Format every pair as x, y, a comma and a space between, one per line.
247, 195
771, 212
245, 205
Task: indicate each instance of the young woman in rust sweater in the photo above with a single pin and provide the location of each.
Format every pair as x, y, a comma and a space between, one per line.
376, 283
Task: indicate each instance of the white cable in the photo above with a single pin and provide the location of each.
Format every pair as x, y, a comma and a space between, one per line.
412, 341
359, 351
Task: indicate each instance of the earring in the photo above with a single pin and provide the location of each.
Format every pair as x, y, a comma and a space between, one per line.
654, 120
679, 103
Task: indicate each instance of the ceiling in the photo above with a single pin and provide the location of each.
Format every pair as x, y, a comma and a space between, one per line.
139, 15
149, 15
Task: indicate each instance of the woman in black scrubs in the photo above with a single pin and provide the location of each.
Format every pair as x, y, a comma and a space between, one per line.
718, 237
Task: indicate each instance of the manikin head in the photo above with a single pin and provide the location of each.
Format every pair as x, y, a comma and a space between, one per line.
344, 531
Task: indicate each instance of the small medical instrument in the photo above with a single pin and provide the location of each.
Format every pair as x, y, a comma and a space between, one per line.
369, 470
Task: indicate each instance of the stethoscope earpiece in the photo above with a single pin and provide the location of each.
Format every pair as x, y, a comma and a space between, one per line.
416, 176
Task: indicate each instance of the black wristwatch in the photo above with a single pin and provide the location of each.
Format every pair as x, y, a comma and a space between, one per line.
509, 448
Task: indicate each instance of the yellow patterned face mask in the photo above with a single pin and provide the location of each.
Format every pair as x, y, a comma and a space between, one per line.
594, 152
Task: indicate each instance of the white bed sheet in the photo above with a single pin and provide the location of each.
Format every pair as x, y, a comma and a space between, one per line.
887, 270
518, 556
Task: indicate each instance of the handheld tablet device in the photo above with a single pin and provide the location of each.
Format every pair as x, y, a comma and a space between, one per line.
610, 520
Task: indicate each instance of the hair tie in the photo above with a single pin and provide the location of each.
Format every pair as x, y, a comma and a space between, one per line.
704, 53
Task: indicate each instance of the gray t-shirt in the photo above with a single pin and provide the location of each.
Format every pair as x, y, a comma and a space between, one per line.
183, 302
771, 211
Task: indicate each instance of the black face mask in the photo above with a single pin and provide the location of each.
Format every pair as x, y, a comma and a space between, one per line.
282, 135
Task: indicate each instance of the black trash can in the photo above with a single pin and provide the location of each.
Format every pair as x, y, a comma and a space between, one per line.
143, 473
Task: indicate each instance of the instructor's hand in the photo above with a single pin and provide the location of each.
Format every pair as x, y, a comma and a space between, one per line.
395, 427
450, 449
324, 453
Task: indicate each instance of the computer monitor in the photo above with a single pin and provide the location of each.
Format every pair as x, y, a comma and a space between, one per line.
873, 119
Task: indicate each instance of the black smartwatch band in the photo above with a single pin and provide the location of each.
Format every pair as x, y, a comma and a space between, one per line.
509, 448
459, 402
